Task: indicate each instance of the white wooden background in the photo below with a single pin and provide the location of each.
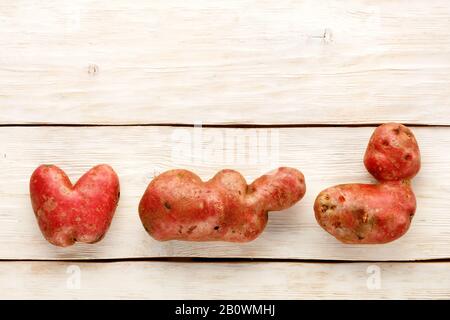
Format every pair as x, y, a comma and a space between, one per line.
86, 82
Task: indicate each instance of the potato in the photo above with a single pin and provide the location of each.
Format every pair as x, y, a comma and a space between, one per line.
366, 213
178, 205
393, 153
68, 213
377, 213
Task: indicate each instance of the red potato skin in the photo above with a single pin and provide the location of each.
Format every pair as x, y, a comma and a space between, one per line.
377, 213
69, 213
178, 205
393, 153
366, 213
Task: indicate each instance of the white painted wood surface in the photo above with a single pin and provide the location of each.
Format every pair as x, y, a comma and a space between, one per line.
167, 280
327, 156
224, 62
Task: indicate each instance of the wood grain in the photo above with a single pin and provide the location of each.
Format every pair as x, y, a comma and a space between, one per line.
169, 280
327, 156
224, 62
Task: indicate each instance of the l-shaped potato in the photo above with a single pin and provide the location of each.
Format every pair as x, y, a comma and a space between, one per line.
377, 213
178, 205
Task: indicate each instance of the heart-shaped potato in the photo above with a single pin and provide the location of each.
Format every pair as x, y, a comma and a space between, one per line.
69, 213
178, 205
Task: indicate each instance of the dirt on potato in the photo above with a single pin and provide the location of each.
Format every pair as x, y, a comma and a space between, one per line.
178, 205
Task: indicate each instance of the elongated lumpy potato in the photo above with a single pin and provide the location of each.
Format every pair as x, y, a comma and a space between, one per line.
178, 205
377, 213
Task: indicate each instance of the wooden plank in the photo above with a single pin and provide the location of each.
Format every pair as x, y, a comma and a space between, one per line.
327, 156
227, 62
255, 280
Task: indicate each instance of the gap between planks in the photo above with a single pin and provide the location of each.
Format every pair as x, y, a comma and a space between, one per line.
222, 126
226, 260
